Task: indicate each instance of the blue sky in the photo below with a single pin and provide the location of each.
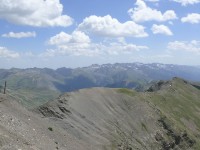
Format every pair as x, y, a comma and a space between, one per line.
65, 33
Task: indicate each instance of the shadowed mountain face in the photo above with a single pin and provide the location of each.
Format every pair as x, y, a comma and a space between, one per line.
42, 85
165, 117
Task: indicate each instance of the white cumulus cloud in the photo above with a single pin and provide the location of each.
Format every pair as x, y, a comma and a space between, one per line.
161, 29
117, 48
19, 35
39, 13
191, 18
189, 46
78, 43
142, 13
187, 2
111, 27
5, 53
77, 37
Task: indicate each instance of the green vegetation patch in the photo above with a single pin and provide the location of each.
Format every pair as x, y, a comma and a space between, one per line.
50, 128
181, 100
127, 91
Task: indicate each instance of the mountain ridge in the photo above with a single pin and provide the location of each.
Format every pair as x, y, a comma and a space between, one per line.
106, 118
126, 119
51, 82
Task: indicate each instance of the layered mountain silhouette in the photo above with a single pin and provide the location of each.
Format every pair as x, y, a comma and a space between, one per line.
36, 86
129, 75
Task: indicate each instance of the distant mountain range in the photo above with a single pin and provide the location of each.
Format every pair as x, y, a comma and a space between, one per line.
120, 75
129, 75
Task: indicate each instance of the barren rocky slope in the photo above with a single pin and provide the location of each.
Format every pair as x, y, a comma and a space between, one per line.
104, 118
21, 129
165, 117
125, 119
